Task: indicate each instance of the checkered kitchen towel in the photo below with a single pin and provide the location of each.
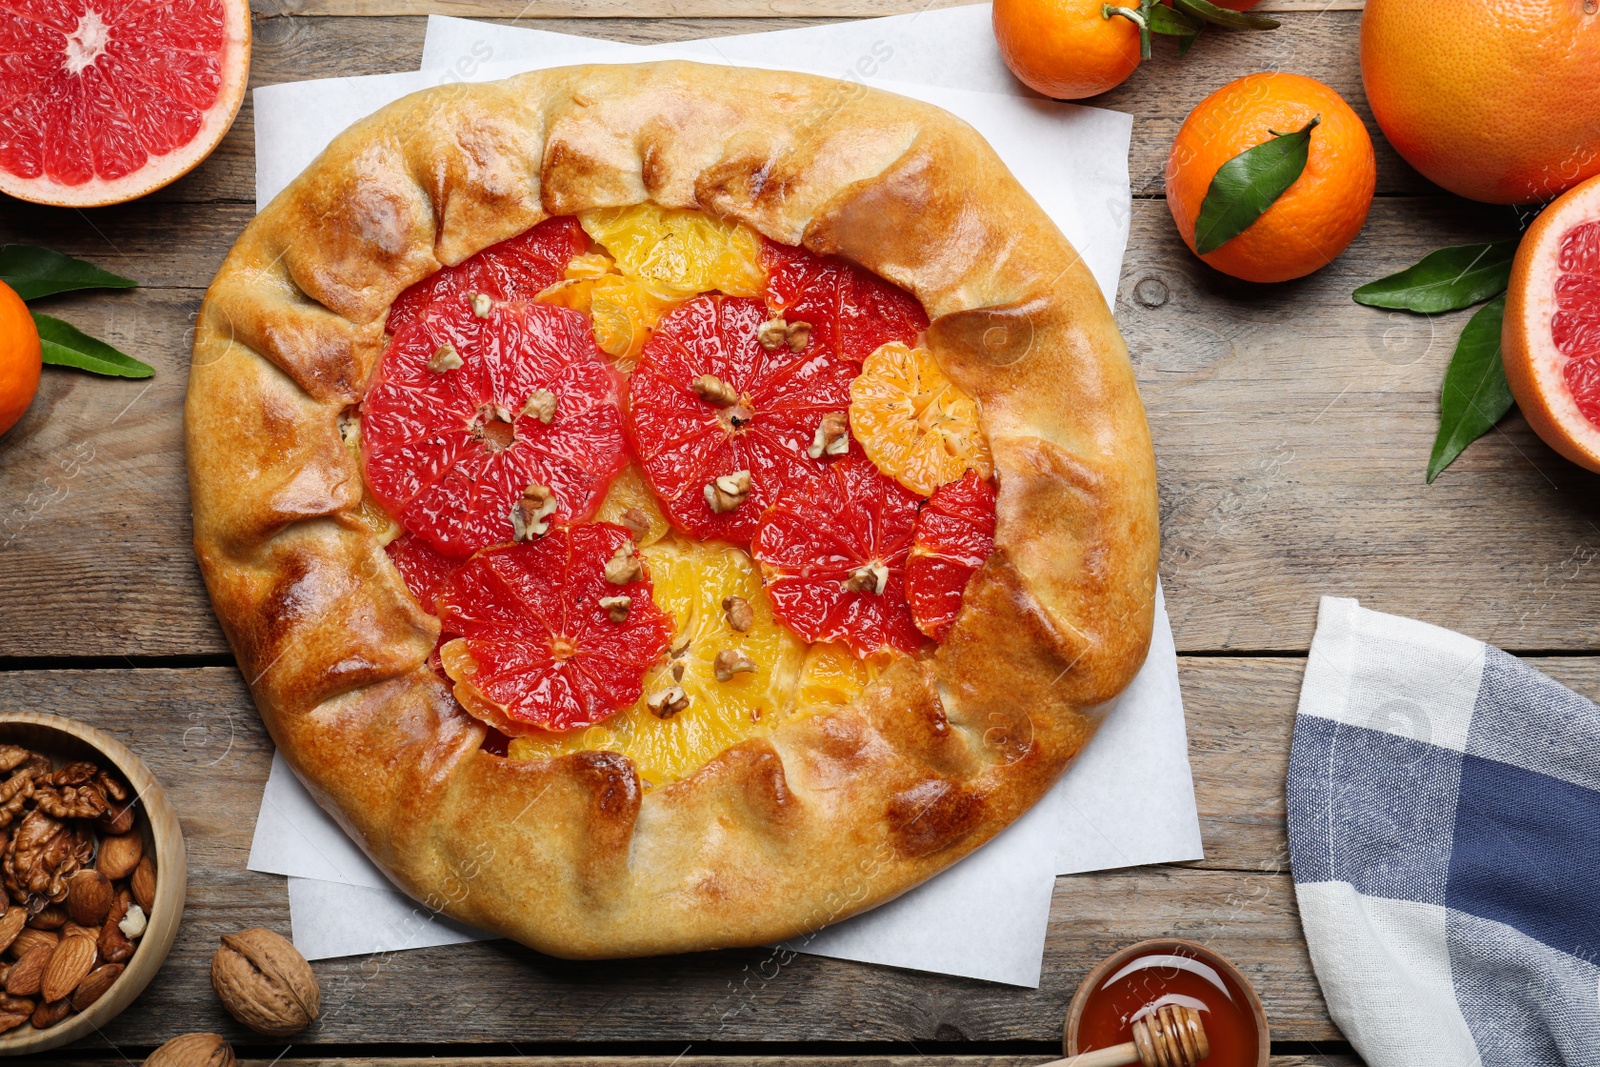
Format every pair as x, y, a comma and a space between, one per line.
1444, 829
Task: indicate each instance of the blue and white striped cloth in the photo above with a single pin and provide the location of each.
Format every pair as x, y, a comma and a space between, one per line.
1444, 830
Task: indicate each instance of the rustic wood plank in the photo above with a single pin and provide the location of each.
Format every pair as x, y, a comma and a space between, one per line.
642, 9
1320, 1060
202, 738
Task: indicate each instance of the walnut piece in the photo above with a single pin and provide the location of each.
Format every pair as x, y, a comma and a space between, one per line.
42, 855
730, 662
868, 579
727, 492
775, 332
740, 615
444, 358
530, 516
636, 522
832, 437
616, 607
623, 566
541, 405
714, 391
265, 983
668, 702
481, 304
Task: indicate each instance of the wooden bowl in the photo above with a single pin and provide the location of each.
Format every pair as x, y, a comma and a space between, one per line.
63, 740
1114, 964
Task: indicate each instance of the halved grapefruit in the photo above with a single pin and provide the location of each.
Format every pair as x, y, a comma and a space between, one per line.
1551, 337
102, 101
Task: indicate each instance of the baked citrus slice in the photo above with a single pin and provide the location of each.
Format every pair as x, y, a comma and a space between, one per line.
914, 422
469, 414
106, 100
630, 504
543, 644
509, 272
954, 535
833, 556
722, 423
734, 667
832, 676
851, 311
679, 250
423, 567
1550, 340
624, 309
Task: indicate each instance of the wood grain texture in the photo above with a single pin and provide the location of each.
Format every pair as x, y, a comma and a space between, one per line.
1292, 429
642, 9
1322, 1060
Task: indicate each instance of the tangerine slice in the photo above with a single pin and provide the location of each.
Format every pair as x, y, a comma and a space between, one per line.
678, 249
691, 580
833, 676
629, 495
511, 271
536, 649
833, 553
852, 311
624, 309
955, 534
450, 450
424, 569
764, 424
914, 422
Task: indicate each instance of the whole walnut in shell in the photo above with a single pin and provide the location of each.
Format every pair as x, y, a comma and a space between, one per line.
193, 1050
265, 983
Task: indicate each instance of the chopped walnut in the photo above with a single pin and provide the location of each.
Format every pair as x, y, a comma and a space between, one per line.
616, 607
623, 566
668, 702
739, 614
727, 492
636, 522
530, 516
797, 335
714, 391
12, 757
677, 670
679, 645
42, 855
70, 801
832, 437
775, 332
869, 579
445, 357
541, 405
481, 305
17, 791
730, 662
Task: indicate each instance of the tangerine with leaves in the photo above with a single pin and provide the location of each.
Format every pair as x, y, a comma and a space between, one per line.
1066, 49
20, 364
1317, 216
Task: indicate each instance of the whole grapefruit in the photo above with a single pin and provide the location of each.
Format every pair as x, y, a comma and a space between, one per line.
1497, 100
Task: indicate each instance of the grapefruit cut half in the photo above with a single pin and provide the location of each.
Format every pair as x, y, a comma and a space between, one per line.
102, 101
468, 414
955, 534
833, 557
538, 650
1550, 342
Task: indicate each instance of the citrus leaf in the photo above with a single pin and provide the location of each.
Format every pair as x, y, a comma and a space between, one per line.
1172, 22
64, 345
1221, 16
1186, 43
34, 272
1248, 184
1475, 394
1446, 280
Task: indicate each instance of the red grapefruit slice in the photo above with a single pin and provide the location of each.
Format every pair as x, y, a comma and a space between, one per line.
453, 431
833, 555
851, 311
708, 401
537, 649
513, 271
102, 101
1550, 341
424, 569
955, 534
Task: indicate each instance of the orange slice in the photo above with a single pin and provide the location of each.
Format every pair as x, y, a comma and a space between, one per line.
913, 422
623, 309
833, 676
628, 495
679, 250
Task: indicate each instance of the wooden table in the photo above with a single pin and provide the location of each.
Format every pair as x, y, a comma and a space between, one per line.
1292, 428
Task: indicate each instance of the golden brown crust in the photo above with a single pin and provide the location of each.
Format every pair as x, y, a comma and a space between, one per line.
826, 816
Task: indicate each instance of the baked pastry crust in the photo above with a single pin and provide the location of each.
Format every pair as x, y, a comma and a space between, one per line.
781, 834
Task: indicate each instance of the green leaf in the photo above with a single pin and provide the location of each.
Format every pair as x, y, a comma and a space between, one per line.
1446, 280
65, 345
1475, 394
34, 272
1186, 43
1171, 22
1221, 16
1248, 184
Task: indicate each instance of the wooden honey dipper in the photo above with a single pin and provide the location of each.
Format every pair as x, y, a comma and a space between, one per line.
1173, 1036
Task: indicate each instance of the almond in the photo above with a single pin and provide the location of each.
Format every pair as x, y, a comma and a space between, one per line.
119, 855
89, 897
118, 818
72, 929
95, 984
30, 939
11, 924
14, 1011
25, 979
143, 884
50, 917
114, 944
69, 964
49, 1013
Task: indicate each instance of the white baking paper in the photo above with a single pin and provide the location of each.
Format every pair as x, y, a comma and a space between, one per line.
1128, 800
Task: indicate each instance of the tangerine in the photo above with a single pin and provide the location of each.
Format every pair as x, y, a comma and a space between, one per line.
20, 365
1496, 100
624, 309
833, 556
708, 401
914, 422
1317, 216
538, 650
1066, 49
954, 535
851, 312
467, 413
679, 250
